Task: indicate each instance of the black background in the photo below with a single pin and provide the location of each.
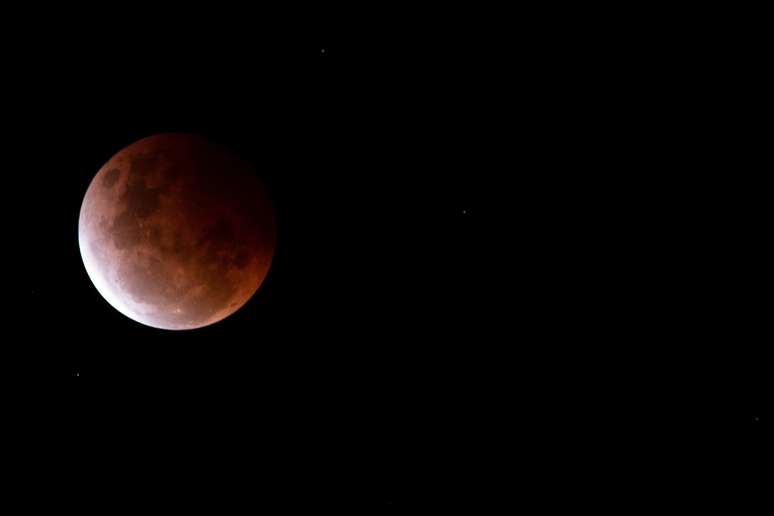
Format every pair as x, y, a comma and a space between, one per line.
304, 396
608, 317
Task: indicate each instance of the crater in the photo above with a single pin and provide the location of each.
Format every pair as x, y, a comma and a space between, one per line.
110, 178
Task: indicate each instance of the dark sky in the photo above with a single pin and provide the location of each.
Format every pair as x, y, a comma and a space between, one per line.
622, 255
302, 395
352, 150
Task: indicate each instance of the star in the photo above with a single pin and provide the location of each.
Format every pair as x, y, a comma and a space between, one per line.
322, 51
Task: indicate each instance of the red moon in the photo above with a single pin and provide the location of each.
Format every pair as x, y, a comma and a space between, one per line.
176, 232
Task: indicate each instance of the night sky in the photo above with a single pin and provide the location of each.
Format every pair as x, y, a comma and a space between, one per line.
301, 396
610, 301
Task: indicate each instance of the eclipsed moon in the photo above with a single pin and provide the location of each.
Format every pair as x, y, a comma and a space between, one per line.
176, 232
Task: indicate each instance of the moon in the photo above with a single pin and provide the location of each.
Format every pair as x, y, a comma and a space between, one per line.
176, 232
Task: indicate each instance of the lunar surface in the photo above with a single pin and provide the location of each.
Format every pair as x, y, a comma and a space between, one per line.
176, 232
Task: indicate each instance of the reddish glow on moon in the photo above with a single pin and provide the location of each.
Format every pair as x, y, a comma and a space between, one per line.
176, 232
